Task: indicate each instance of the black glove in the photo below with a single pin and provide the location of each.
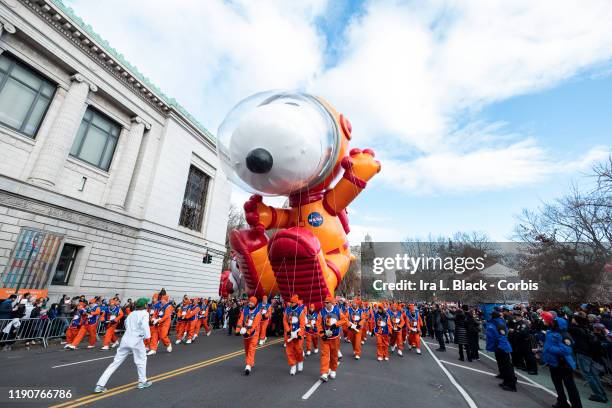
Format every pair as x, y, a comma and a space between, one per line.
334, 327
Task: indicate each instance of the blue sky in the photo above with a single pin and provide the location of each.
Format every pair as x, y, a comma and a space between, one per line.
477, 109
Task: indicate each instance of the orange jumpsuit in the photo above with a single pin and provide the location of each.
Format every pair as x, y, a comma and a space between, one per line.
294, 322
330, 325
355, 315
182, 324
397, 322
365, 324
161, 326
75, 325
265, 318
414, 334
193, 317
382, 324
89, 326
312, 335
111, 318
250, 319
204, 317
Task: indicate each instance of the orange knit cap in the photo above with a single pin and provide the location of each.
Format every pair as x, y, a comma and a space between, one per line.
253, 300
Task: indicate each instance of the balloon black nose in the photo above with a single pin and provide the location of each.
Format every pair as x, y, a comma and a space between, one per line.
259, 161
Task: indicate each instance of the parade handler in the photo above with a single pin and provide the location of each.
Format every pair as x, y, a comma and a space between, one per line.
136, 330
329, 323
294, 324
248, 326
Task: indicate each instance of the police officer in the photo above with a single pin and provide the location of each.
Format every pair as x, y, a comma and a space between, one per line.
497, 342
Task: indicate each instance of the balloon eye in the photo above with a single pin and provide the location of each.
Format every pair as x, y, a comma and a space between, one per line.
259, 161
346, 126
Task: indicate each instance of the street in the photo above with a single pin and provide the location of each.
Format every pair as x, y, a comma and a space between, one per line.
209, 373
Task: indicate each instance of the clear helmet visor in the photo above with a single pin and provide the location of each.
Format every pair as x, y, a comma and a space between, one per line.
277, 143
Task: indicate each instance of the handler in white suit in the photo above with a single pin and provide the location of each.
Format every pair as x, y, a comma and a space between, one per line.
136, 330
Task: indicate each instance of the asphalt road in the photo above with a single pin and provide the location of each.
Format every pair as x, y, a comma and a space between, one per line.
209, 373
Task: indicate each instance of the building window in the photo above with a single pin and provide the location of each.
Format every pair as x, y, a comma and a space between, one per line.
65, 265
24, 96
194, 202
96, 139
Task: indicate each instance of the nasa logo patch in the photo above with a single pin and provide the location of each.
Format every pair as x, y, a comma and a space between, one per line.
315, 219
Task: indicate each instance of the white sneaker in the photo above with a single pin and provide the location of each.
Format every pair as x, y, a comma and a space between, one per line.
284, 344
292, 370
115, 344
63, 342
332, 374
69, 347
145, 384
339, 354
260, 342
418, 351
357, 357
409, 347
195, 337
324, 377
392, 349
379, 358
264, 339
169, 348
208, 333
399, 353
188, 341
308, 353
178, 341
151, 353
184, 335
247, 370
90, 347
104, 348
386, 358
316, 351
300, 366
362, 343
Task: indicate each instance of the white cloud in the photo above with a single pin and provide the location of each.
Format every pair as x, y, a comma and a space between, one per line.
518, 164
409, 73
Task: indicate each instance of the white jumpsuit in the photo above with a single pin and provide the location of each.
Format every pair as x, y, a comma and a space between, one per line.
136, 329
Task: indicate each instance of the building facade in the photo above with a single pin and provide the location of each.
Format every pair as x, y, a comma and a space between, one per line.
106, 185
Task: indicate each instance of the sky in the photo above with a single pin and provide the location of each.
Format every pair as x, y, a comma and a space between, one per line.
477, 109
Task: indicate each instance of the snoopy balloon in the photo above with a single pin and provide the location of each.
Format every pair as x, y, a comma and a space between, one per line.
293, 145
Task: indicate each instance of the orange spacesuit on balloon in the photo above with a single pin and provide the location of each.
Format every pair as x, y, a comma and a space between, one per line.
309, 253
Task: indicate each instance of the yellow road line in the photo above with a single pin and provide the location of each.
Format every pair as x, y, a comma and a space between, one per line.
159, 377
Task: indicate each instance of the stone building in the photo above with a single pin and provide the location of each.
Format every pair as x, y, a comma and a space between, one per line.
106, 185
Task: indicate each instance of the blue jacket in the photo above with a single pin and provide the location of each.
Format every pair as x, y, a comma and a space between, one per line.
6, 309
497, 336
558, 345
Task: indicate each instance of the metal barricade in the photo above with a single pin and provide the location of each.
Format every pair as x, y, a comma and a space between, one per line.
57, 327
13, 330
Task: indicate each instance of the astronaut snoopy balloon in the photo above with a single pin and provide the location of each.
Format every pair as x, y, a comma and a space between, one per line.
294, 145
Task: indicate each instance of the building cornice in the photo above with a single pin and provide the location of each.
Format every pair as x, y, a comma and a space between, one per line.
64, 21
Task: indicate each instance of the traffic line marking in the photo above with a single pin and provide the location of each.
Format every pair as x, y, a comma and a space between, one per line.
312, 390
459, 388
535, 384
483, 372
160, 377
81, 362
